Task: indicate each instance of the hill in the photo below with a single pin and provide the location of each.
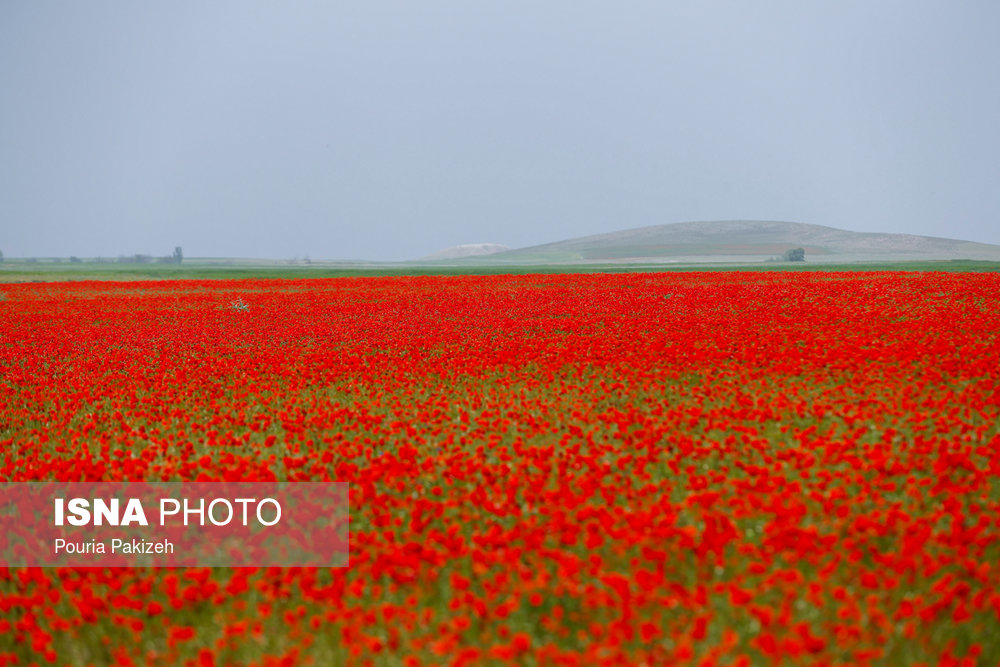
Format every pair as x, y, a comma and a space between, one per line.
746, 241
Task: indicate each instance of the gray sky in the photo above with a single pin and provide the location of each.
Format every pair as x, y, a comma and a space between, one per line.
388, 130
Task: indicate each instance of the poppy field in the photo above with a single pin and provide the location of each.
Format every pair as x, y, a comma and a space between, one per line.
630, 469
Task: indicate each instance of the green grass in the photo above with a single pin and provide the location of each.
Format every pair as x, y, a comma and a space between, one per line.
20, 271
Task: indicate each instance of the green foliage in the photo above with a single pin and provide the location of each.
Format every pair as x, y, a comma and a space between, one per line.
240, 305
20, 270
794, 255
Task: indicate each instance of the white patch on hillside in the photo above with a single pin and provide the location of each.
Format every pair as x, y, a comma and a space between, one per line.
467, 250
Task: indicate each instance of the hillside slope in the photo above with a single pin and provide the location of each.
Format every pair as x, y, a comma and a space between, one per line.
746, 240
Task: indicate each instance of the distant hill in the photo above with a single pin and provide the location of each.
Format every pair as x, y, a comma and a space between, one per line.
742, 241
466, 250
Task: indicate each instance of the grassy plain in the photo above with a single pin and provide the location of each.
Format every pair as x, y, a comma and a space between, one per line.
25, 272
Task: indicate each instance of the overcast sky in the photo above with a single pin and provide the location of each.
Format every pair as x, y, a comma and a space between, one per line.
388, 130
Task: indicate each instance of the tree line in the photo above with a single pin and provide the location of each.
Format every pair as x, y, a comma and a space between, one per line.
176, 257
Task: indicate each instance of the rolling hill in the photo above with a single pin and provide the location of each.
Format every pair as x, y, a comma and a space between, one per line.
743, 241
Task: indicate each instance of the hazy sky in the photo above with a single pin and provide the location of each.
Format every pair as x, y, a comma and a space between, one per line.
389, 130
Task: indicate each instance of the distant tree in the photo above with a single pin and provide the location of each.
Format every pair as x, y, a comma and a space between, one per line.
1, 256
74, 259
794, 255
178, 255
137, 258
